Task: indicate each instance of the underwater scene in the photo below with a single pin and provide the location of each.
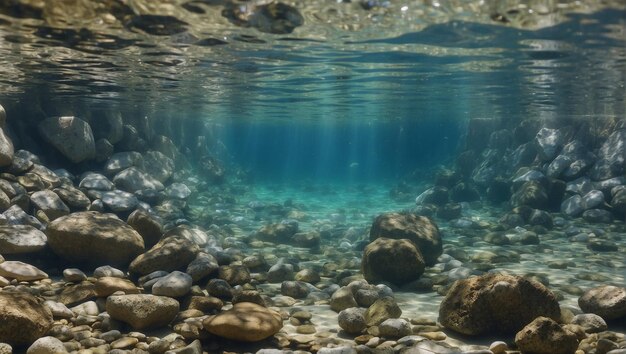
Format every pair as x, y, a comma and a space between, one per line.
313, 176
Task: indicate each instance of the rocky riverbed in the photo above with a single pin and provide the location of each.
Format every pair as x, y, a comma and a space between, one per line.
139, 250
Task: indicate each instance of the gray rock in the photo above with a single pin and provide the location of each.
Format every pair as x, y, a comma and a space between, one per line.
50, 203
18, 239
342, 299
21, 271
133, 179
202, 266
544, 336
178, 191
96, 181
159, 166
104, 150
108, 271
119, 201
71, 136
598, 216
549, 142
121, 161
352, 320
7, 150
611, 157
295, 289
47, 345
73, 197
580, 186
58, 309
394, 328
593, 199
381, 310
74, 275
175, 284
591, 322
573, 206
280, 272
558, 166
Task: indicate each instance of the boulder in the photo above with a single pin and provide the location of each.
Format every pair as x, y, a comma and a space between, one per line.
47, 345
246, 322
611, 157
544, 336
279, 233
6, 148
573, 206
96, 181
394, 328
171, 253
18, 239
148, 226
420, 230
132, 179
495, 303
142, 311
352, 320
119, 201
123, 160
234, 274
342, 299
71, 136
73, 197
50, 203
531, 193
175, 284
159, 166
606, 301
94, 238
381, 310
23, 318
549, 142
395, 261
202, 266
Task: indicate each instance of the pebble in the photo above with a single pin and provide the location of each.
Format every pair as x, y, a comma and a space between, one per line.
73, 275
124, 342
498, 347
175, 284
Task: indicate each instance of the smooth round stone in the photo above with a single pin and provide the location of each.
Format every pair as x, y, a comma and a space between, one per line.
106, 286
111, 336
142, 311
58, 309
178, 190
592, 323
108, 271
498, 347
124, 342
306, 329
89, 308
602, 246
73, 275
96, 181
47, 345
5, 348
175, 284
394, 328
17, 239
352, 320
119, 201
21, 271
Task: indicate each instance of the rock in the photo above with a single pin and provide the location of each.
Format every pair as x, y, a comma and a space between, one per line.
6, 145
161, 167
96, 181
106, 286
16, 216
573, 206
295, 289
50, 203
202, 266
396, 261
77, 293
309, 239
123, 160
73, 197
549, 142
193, 234
47, 345
593, 199
532, 194
169, 254
352, 320
73, 275
495, 303
119, 201
544, 336
598, 216
58, 309
71, 136
611, 157
21, 271
308, 276
246, 322
436, 195
420, 230
381, 310
342, 299
606, 301
558, 166
450, 211
175, 284
108, 271
234, 274
498, 347
23, 318
19, 239
394, 328
464, 192
133, 179
590, 322
142, 311
278, 233
94, 238
148, 226
602, 246
220, 288
280, 272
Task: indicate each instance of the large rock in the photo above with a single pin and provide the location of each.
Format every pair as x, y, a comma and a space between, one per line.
381, 310
148, 226
72, 136
50, 203
544, 336
549, 143
352, 320
17, 239
47, 345
142, 311
496, 303
396, 261
175, 284
171, 253
157, 165
280, 232
133, 179
606, 301
6, 145
94, 238
23, 318
123, 160
611, 157
531, 193
420, 230
246, 321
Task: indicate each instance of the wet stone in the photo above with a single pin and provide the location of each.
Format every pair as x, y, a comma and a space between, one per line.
602, 246
119, 201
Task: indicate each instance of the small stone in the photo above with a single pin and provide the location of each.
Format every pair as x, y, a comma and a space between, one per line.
352, 320
245, 322
106, 286
592, 323
606, 301
306, 329
73, 275
142, 311
21, 271
498, 347
381, 310
394, 328
46, 345
544, 336
342, 299
124, 342
175, 284
18, 239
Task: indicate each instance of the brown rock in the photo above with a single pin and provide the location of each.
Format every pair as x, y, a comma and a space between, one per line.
496, 303
246, 322
171, 253
396, 261
420, 230
606, 301
106, 286
544, 336
23, 318
142, 311
147, 225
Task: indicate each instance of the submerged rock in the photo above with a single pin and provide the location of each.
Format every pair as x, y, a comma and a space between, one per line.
606, 301
17, 239
420, 230
352, 320
169, 254
94, 238
246, 321
71, 136
142, 311
544, 336
495, 303
396, 261
21, 271
23, 318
